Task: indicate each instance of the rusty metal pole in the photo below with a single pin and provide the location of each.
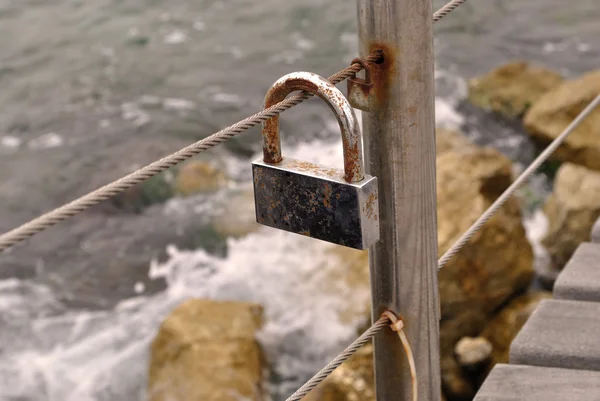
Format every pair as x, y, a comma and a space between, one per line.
399, 135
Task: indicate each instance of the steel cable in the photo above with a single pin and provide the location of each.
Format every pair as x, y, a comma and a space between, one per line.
79, 205
447, 9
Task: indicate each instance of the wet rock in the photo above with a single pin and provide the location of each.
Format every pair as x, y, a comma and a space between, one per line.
512, 88
505, 326
206, 350
472, 351
198, 176
556, 109
572, 209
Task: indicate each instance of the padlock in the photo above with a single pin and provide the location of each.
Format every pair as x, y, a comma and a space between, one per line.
333, 205
360, 91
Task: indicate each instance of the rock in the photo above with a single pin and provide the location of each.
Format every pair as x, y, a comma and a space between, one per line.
572, 209
154, 190
238, 217
447, 140
198, 176
472, 351
456, 382
498, 261
206, 350
596, 232
505, 326
354, 380
556, 109
491, 268
512, 88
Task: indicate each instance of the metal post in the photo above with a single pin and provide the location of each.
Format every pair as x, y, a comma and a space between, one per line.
399, 136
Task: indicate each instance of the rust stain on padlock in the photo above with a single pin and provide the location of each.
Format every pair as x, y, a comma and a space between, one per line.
371, 206
351, 161
315, 169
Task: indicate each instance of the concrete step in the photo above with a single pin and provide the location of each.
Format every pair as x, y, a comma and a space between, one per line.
533, 383
580, 278
596, 232
560, 333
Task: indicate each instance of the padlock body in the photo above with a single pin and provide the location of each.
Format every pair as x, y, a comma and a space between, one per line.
316, 201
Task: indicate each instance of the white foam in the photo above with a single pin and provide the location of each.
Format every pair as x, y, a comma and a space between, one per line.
10, 142
178, 104
46, 141
176, 37
536, 228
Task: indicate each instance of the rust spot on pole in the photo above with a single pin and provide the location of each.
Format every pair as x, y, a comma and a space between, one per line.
381, 73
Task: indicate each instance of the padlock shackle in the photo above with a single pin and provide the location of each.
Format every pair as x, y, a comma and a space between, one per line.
321, 87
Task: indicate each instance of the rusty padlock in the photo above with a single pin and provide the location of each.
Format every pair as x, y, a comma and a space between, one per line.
333, 205
360, 91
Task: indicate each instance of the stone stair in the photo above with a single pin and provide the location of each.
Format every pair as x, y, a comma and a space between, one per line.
556, 355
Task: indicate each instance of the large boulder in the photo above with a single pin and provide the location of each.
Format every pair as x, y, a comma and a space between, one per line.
497, 262
207, 351
572, 209
512, 88
556, 109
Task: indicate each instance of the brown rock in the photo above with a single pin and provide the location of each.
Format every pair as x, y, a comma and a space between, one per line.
556, 109
198, 176
456, 383
512, 88
447, 140
572, 209
497, 262
206, 350
505, 326
354, 380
